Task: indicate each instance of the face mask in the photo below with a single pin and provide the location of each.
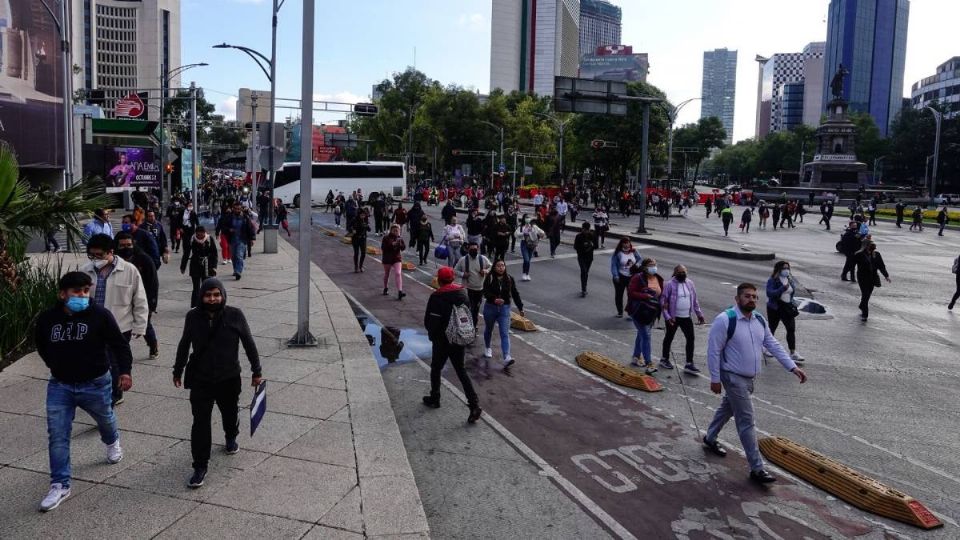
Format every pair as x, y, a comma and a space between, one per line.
76, 304
785, 273
126, 227
190, 208
99, 264
212, 308
681, 277
473, 252
652, 270
126, 253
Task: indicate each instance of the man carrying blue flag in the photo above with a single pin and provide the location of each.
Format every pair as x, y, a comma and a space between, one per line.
212, 371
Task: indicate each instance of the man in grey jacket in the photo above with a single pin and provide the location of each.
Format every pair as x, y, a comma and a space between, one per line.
473, 269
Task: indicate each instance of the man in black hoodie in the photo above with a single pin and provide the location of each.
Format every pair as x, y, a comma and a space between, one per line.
72, 339
214, 330
124, 247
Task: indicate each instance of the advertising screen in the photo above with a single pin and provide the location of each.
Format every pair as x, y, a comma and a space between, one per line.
31, 84
129, 168
614, 67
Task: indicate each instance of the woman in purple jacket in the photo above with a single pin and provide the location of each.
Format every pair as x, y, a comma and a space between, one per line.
679, 302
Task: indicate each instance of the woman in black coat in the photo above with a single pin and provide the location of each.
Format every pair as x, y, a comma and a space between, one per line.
869, 265
358, 238
200, 255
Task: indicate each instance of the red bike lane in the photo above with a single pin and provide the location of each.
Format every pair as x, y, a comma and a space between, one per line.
645, 470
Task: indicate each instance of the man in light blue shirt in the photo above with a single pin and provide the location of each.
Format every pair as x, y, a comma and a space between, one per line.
734, 362
100, 224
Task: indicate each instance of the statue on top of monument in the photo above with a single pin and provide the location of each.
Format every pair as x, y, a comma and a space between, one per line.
836, 84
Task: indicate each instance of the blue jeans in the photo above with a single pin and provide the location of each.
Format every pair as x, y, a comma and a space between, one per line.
493, 313
93, 396
736, 403
238, 250
527, 254
641, 345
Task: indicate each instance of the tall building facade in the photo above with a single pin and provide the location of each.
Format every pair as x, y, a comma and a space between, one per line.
719, 89
600, 24
800, 71
122, 46
531, 42
869, 37
942, 87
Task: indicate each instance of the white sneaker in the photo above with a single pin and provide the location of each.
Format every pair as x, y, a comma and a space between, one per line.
54, 497
796, 357
488, 353
114, 452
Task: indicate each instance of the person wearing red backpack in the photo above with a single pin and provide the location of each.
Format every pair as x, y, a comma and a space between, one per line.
446, 302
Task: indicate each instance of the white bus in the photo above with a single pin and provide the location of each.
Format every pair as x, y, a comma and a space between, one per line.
388, 177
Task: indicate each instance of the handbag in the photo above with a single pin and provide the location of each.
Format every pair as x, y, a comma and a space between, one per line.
441, 252
787, 309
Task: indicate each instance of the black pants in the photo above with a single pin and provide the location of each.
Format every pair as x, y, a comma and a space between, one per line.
115, 371
476, 298
848, 267
499, 251
414, 232
554, 244
899, 220
619, 286
226, 395
195, 295
442, 350
378, 222
866, 291
685, 324
955, 294
873, 219
174, 239
726, 226
423, 249
826, 221
790, 323
584, 262
513, 240
599, 236
359, 253
52, 244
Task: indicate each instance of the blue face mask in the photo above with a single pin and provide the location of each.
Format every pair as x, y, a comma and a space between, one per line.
785, 273
77, 304
126, 227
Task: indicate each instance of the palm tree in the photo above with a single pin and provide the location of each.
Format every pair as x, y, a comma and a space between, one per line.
27, 212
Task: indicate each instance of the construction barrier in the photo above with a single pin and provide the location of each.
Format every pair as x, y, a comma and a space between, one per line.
615, 372
521, 323
851, 486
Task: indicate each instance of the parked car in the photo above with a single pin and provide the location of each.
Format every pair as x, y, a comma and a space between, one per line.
947, 198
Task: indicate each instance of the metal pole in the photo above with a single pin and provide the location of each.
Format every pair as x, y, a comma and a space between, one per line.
303, 337
67, 97
514, 171
193, 145
270, 230
255, 145
673, 118
644, 167
501, 147
165, 196
936, 155
562, 127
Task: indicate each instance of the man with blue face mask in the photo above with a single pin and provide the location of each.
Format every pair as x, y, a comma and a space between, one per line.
76, 340
144, 240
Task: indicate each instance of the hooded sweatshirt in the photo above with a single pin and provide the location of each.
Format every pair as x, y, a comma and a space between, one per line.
215, 338
74, 345
439, 307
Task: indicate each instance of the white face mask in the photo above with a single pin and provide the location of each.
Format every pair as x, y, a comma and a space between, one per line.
100, 263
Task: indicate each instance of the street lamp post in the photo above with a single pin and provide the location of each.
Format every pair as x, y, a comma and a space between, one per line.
165, 77
63, 31
561, 126
672, 113
195, 156
500, 129
938, 117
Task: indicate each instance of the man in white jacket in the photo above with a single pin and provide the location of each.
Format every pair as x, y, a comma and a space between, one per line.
119, 289
473, 269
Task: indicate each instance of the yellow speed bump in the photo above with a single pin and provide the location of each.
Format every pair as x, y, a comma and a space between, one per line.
435, 283
346, 239
407, 265
327, 232
851, 486
613, 371
373, 250
521, 323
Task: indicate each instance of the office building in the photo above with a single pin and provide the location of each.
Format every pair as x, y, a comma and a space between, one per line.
719, 89
123, 45
869, 37
943, 88
600, 24
780, 70
531, 42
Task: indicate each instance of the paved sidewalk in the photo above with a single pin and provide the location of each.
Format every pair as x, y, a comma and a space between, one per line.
327, 461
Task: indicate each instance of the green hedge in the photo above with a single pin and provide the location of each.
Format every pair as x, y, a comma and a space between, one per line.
19, 309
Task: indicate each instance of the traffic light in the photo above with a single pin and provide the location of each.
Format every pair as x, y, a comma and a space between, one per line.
596, 144
365, 109
169, 168
455, 152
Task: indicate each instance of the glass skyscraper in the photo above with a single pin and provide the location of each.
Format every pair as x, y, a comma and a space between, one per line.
719, 88
869, 37
600, 24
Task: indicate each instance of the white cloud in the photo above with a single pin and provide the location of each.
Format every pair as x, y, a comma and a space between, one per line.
473, 21
228, 108
343, 97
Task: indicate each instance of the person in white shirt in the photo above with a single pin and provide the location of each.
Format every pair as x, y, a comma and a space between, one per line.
453, 238
623, 259
530, 235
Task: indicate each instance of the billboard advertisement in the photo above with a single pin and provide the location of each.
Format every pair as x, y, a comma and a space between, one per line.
31, 84
614, 67
129, 168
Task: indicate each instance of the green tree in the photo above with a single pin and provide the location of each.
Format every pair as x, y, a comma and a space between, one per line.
702, 137
869, 143
177, 116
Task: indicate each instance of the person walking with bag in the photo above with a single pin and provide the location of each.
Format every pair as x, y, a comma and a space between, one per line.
584, 244
453, 237
601, 224
624, 258
392, 248
530, 236
644, 292
737, 337
781, 288
498, 289
281, 213
447, 321
214, 331
679, 302
201, 259
473, 269
358, 230
869, 266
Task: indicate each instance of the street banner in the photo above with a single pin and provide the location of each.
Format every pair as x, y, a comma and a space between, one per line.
186, 170
128, 168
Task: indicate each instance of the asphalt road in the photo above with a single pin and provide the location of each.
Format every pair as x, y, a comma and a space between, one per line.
882, 396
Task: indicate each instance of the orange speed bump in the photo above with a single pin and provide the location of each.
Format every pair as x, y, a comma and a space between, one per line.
407, 265
522, 323
346, 240
855, 488
373, 250
435, 283
620, 374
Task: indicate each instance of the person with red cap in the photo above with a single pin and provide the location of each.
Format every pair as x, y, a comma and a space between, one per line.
440, 307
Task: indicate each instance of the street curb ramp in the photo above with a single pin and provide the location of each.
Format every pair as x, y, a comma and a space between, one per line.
612, 371
851, 486
680, 245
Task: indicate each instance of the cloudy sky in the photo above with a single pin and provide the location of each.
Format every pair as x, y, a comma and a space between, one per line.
361, 42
